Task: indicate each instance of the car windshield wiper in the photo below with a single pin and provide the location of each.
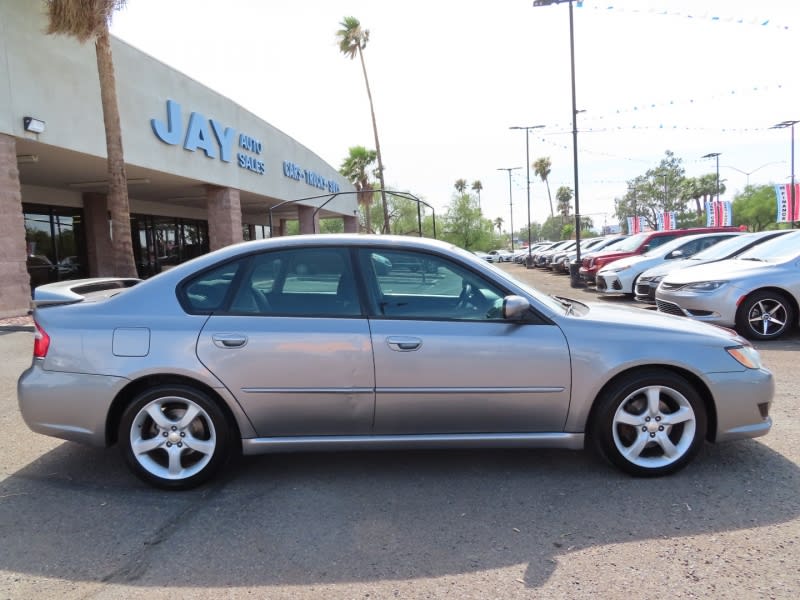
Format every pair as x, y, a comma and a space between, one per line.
753, 259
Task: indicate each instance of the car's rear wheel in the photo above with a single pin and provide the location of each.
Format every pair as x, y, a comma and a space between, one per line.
649, 423
764, 316
174, 437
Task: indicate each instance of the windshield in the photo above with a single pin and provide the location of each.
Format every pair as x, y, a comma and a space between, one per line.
629, 244
724, 248
784, 247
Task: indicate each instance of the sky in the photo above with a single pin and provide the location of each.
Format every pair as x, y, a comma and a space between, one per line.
450, 77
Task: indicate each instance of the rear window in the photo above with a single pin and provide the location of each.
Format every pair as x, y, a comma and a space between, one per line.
207, 292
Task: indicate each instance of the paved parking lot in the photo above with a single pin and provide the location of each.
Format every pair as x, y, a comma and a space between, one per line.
450, 524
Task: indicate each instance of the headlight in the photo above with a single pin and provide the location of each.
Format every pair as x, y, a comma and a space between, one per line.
705, 286
745, 355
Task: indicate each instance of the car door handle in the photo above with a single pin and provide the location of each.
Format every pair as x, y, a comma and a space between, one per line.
229, 340
404, 344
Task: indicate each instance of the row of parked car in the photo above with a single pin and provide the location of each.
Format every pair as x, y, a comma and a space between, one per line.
721, 275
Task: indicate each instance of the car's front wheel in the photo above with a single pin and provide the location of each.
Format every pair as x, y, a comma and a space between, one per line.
649, 423
174, 437
764, 316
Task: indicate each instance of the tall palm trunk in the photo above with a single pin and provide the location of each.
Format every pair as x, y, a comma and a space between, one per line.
118, 204
549, 197
386, 228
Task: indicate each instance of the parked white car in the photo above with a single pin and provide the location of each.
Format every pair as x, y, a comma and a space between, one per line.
620, 276
758, 292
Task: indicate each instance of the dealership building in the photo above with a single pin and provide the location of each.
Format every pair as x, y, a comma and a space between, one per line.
202, 171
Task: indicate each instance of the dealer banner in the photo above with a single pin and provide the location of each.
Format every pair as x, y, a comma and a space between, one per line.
786, 212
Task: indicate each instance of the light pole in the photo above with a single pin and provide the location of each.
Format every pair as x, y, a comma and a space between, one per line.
665, 188
632, 189
529, 260
574, 272
782, 125
510, 200
714, 155
748, 173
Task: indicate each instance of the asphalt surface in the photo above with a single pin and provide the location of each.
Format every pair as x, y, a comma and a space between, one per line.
465, 524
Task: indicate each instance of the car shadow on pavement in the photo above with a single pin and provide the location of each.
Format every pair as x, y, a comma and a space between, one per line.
304, 519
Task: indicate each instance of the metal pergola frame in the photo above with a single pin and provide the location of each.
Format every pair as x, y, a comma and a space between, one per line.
406, 195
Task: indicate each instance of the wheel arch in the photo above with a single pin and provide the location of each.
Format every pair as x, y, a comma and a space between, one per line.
691, 378
134, 388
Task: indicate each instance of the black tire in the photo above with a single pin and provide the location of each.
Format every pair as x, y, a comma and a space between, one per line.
631, 424
764, 315
173, 454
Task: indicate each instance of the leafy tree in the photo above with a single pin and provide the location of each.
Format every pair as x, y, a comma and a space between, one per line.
460, 185
552, 229
331, 226
404, 214
355, 167
660, 189
88, 20
464, 226
352, 41
541, 168
756, 208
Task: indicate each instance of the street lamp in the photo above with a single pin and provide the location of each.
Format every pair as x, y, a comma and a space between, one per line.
748, 173
665, 189
714, 155
783, 125
510, 200
632, 189
574, 274
529, 260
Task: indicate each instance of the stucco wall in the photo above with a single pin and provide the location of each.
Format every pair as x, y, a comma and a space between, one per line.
55, 79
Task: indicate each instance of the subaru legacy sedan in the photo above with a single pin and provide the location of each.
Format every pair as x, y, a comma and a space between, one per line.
344, 342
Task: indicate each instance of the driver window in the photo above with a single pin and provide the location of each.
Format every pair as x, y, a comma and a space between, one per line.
424, 286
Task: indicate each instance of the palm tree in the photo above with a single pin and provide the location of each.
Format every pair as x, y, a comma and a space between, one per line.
460, 185
355, 167
541, 168
564, 197
477, 186
88, 20
498, 224
352, 41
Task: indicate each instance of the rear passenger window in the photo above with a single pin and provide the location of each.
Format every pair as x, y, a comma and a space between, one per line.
208, 291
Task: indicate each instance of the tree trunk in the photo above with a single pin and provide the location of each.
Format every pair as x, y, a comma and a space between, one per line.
118, 205
386, 228
549, 197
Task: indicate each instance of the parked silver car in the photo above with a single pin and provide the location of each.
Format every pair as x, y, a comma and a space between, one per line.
328, 342
648, 281
757, 292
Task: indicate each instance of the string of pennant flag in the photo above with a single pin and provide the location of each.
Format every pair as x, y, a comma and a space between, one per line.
754, 21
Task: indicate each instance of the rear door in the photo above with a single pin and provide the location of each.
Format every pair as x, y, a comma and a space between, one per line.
289, 340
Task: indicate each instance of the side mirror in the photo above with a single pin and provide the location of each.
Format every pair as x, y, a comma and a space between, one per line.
675, 254
515, 307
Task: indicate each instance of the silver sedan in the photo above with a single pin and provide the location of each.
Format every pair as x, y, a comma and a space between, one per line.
343, 342
758, 292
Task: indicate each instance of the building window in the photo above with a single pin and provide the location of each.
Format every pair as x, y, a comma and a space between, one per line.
160, 243
254, 232
55, 243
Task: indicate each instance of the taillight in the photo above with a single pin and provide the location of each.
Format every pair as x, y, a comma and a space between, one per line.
41, 342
